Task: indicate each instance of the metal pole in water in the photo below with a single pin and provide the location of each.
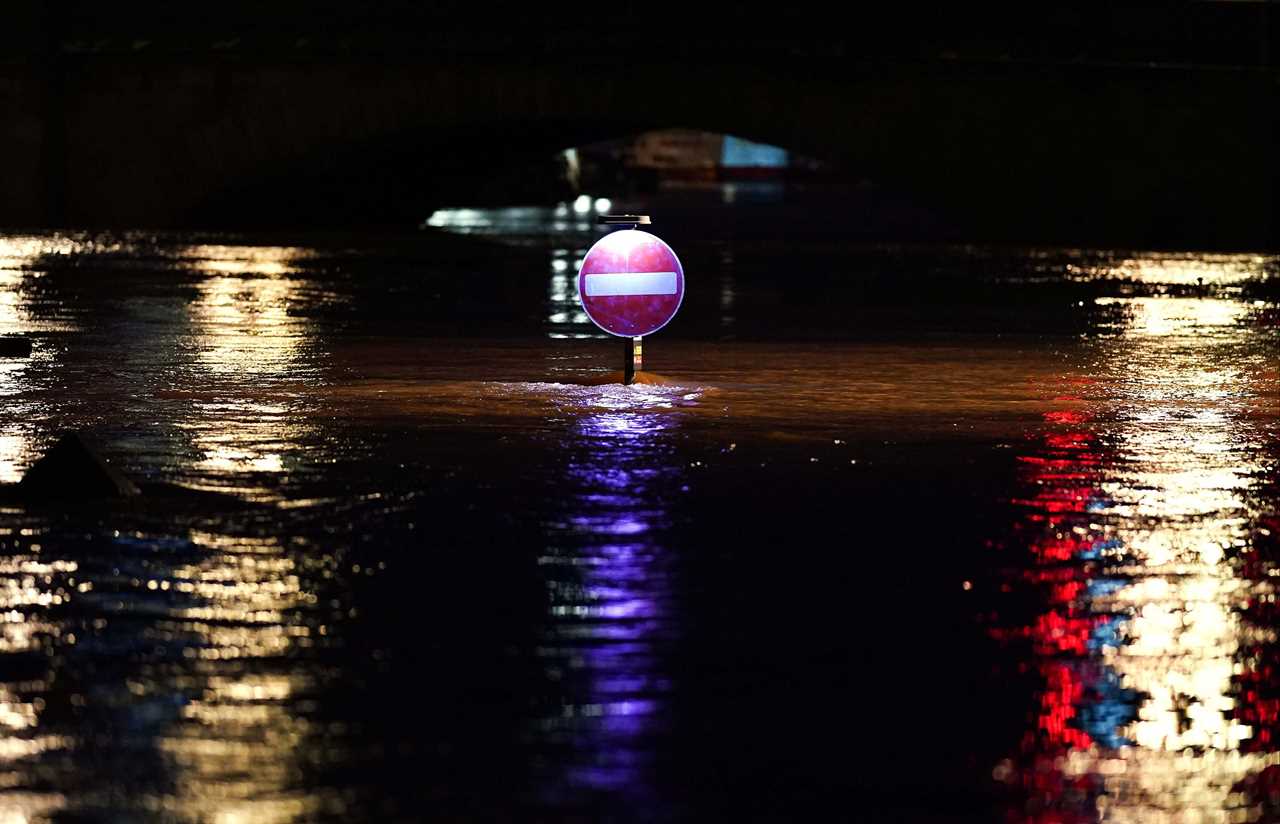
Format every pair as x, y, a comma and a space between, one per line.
632, 353
634, 362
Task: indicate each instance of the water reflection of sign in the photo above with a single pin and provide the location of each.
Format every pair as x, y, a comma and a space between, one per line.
631, 283
612, 622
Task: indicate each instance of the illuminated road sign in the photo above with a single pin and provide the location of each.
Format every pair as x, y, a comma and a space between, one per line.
631, 283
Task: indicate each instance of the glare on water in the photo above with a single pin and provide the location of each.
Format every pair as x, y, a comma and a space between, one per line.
1142, 520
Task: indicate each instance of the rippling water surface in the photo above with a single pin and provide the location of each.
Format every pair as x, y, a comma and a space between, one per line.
919, 533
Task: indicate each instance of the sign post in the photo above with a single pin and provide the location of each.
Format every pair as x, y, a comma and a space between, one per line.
632, 359
631, 284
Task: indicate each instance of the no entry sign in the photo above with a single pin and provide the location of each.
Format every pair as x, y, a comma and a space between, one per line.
631, 283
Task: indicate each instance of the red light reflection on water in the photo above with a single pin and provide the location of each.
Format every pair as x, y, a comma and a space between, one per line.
1064, 474
1148, 521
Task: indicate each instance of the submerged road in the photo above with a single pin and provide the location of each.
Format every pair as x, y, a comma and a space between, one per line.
880, 549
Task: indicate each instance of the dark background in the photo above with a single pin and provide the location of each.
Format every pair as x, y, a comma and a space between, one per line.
1141, 125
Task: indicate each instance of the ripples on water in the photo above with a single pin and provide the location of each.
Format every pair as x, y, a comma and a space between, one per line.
1150, 516
443, 574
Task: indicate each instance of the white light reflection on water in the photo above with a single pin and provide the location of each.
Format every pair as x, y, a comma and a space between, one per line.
572, 227
508, 223
1142, 507
565, 317
610, 616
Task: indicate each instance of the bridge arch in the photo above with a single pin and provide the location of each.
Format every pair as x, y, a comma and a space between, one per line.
389, 150
1033, 151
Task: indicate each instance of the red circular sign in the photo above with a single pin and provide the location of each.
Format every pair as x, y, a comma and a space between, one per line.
630, 283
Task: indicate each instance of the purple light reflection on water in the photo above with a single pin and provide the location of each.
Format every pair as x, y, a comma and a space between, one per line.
633, 608
611, 615
611, 526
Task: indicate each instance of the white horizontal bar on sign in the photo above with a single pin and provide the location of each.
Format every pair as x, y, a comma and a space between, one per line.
611, 284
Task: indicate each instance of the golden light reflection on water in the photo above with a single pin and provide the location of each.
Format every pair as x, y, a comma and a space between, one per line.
19, 258
245, 333
27, 808
13, 314
1153, 515
24, 262
252, 446
29, 587
218, 703
247, 598
242, 312
1176, 269
13, 456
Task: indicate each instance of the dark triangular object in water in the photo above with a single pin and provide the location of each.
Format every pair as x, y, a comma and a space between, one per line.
15, 346
71, 469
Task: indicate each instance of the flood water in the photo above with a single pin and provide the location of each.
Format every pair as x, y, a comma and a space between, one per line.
926, 534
